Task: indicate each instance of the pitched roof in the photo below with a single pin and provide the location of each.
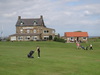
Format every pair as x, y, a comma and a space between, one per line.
76, 34
30, 22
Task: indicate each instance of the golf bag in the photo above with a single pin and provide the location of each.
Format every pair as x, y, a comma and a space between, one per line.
30, 54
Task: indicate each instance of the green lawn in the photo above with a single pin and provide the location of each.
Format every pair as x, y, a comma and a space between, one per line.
56, 59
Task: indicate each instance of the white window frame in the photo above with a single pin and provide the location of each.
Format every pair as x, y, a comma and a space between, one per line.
35, 38
20, 37
21, 23
71, 38
35, 22
28, 31
27, 37
34, 30
21, 30
46, 37
13, 38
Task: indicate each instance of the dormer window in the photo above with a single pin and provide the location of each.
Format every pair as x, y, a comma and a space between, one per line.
21, 23
35, 22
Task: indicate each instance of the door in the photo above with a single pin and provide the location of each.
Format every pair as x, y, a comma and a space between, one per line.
78, 39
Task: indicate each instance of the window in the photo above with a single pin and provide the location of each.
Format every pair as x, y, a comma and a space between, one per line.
35, 22
27, 37
84, 38
28, 31
20, 37
71, 38
21, 23
34, 37
46, 37
21, 31
34, 30
46, 31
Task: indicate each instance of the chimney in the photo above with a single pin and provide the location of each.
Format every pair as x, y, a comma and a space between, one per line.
41, 17
19, 17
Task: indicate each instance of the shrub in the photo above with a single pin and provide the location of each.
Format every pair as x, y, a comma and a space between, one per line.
59, 39
50, 37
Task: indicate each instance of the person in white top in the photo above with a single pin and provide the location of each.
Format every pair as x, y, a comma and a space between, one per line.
78, 45
91, 48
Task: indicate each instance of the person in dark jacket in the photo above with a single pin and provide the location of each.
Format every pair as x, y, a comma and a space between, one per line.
38, 50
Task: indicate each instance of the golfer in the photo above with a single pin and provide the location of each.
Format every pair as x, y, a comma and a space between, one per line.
38, 50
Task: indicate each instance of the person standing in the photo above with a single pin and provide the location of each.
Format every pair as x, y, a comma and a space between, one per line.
38, 50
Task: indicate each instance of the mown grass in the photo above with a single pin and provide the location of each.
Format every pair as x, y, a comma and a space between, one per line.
56, 59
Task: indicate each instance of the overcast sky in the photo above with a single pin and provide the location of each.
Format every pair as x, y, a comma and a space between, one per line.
61, 15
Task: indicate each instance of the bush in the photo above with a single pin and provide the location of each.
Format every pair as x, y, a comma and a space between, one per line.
95, 39
59, 39
50, 37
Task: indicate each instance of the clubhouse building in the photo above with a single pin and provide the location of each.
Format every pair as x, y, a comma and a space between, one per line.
76, 36
32, 29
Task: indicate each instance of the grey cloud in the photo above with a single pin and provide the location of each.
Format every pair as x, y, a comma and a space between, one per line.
56, 14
